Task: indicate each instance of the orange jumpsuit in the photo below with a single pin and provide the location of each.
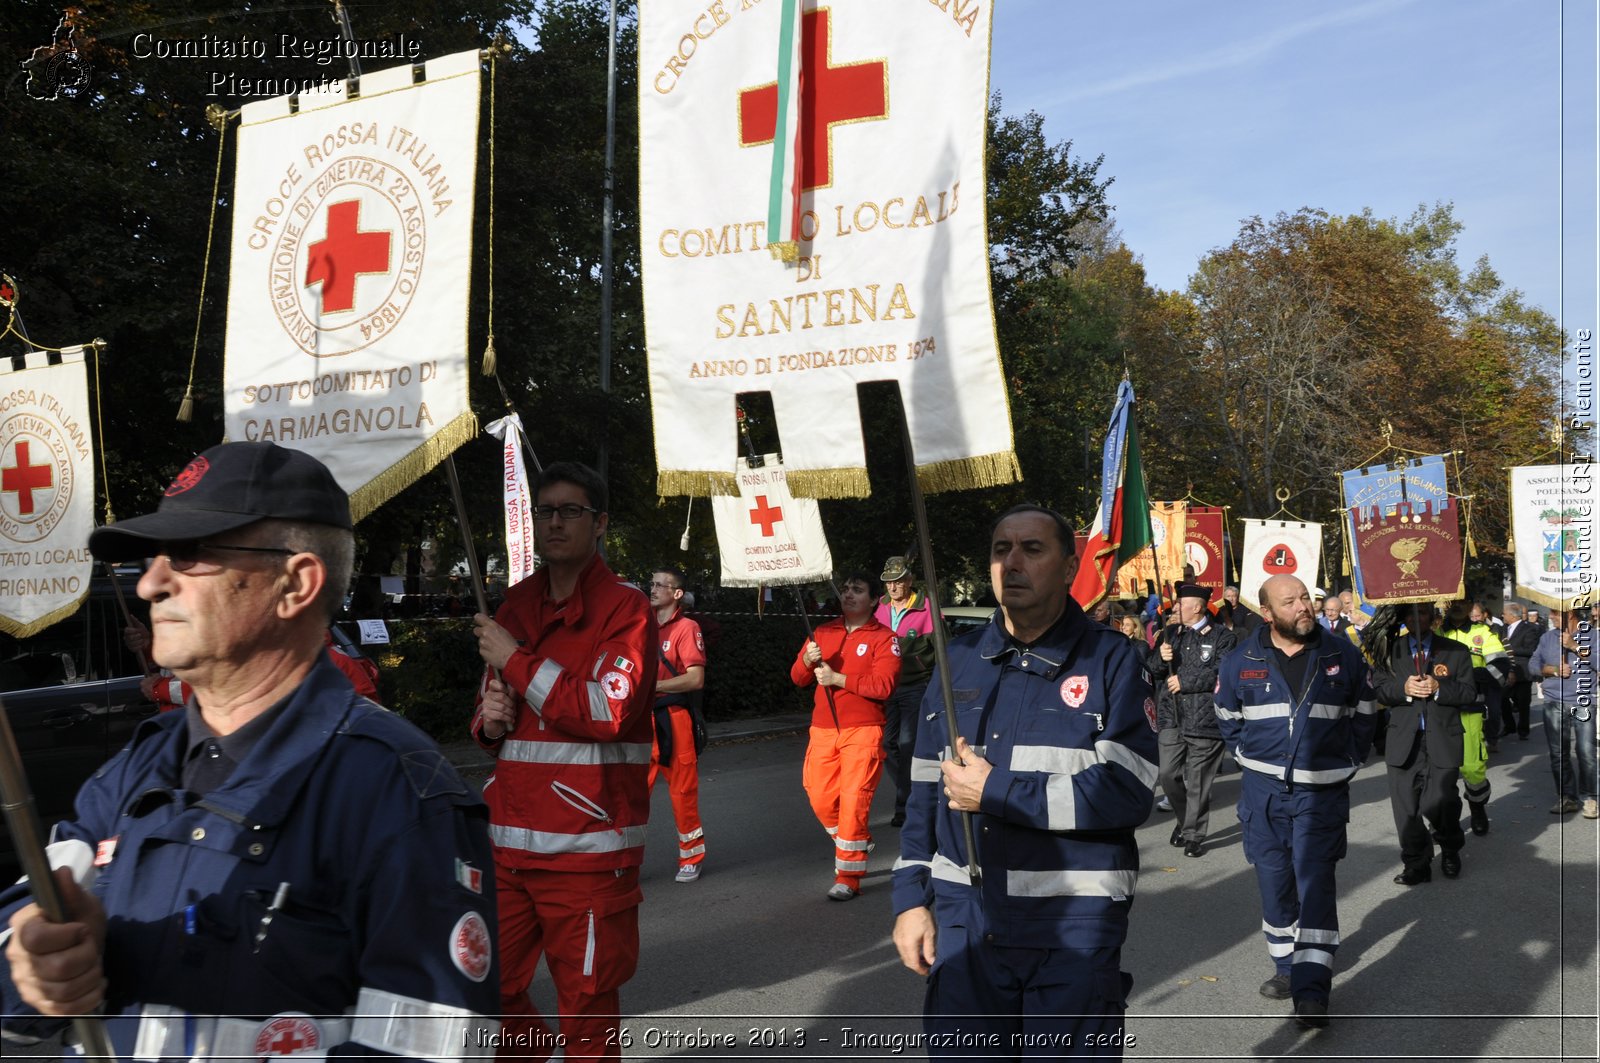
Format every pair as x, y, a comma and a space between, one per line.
682, 647
845, 757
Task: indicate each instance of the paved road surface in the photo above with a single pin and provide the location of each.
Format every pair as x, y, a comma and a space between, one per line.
1500, 963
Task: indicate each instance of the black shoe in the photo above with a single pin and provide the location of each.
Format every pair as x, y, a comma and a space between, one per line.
1412, 876
1276, 987
1312, 1014
1176, 841
1480, 817
1193, 849
899, 820
1450, 864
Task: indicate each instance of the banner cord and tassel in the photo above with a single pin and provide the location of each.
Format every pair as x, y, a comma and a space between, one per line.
100, 431
490, 363
219, 121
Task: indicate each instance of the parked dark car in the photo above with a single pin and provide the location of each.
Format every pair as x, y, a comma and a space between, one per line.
72, 697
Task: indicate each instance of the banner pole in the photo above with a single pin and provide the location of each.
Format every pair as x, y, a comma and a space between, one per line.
805, 619
23, 820
127, 617
466, 535
941, 651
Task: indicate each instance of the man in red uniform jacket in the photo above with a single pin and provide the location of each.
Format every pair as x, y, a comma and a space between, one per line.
565, 708
682, 672
854, 662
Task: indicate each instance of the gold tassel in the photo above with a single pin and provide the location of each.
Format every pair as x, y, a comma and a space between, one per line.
1511, 545
186, 407
963, 474
489, 364
848, 482
1345, 566
1472, 548
703, 482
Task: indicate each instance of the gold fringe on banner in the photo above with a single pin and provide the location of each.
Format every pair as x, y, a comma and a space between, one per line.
828, 483
671, 482
22, 631
408, 470
963, 474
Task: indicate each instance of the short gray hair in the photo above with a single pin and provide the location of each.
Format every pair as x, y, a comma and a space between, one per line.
1516, 610
335, 547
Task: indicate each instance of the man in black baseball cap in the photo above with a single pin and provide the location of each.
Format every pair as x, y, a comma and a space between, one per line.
278, 823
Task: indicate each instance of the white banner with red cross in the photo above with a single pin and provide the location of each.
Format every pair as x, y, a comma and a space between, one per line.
1278, 548
765, 534
46, 490
352, 252
884, 107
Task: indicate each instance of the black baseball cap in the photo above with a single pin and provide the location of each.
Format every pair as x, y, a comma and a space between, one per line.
227, 487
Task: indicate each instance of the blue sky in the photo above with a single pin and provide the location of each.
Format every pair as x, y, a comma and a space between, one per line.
1210, 113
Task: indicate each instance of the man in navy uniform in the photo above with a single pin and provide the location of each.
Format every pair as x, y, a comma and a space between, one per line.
1295, 705
1055, 761
282, 867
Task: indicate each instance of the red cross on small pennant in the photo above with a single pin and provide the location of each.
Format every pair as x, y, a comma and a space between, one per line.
345, 253
829, 95
25, 479
767, 516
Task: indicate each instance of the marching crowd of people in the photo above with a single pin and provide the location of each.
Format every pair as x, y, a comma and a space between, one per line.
279, 866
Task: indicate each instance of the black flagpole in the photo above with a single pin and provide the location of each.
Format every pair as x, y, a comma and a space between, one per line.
941, 652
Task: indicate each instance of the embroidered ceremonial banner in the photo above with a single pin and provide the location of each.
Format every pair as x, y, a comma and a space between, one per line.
347, 304
890, 273
1554, 513
1168, 521
46, 490
1404, 532
1278, 548
517, 500
1203, 547
766, 535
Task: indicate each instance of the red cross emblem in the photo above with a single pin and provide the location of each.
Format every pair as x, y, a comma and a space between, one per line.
829, 96
616, 686
470, 948
25, 478
286, 1034
766, 515
346, 252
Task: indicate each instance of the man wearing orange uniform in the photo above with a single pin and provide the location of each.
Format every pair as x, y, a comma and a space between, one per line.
682, 672
854, 662
565, 709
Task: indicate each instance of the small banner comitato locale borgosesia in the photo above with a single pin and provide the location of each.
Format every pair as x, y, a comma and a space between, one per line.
880, 110
765, 535
1278, 548
1555, 521
46, 490
352, 249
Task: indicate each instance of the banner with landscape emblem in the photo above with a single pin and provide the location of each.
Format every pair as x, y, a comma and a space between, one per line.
352, 252
1554, 515
865, 138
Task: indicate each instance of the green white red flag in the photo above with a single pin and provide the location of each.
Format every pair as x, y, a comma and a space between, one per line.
1121, 526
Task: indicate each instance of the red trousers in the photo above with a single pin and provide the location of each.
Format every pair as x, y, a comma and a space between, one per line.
586, 925
683, 785
840, 776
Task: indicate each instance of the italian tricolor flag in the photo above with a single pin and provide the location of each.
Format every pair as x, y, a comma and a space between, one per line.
1114, 539
783, 191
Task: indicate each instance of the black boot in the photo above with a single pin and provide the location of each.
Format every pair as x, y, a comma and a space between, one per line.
1480, 816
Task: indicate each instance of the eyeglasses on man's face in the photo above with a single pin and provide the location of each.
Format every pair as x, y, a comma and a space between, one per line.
190, 556
569, 511
663, 585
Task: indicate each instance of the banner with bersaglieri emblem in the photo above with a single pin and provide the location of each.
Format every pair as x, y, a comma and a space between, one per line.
1555, 531
1278, 548
46, 489
1403, 528
765, 535
857, 128
352, 250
